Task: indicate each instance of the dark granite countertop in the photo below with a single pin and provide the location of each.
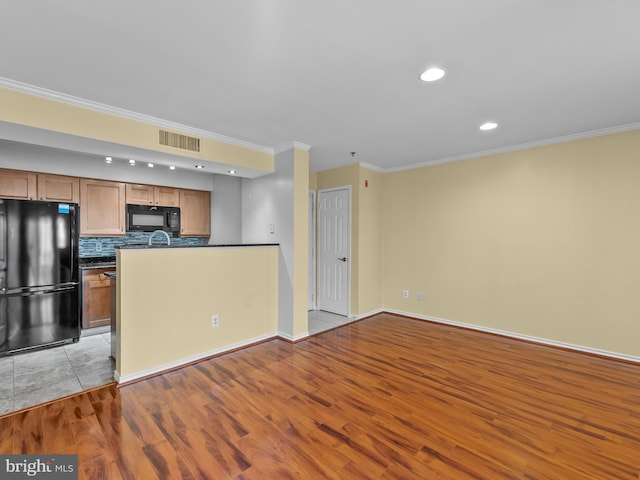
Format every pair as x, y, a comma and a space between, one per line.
86, 263
143, 247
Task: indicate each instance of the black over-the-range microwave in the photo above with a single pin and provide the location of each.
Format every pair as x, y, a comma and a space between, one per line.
143, 218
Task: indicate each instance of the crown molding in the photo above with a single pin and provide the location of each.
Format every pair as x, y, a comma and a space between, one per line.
290, 146
522, 146
375, 168
301, 146
121, 112
140, 117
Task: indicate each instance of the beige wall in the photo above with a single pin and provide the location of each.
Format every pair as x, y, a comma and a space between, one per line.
543, 242
23, 109
274, 210
313, 180
300, 242
166, 298
370, 226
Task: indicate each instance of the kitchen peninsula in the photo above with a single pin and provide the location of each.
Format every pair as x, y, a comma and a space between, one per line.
167, 298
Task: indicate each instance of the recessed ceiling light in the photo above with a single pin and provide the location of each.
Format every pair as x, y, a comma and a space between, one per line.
488, 126
432, 74
172, 167
132, 162
108, 159
150, 165
232, 172
199, 166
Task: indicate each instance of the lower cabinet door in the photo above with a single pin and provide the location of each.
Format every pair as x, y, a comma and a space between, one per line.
96, 298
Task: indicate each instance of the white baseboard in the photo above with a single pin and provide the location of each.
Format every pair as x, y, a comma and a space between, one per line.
504, 333
185, 361
369, 314
291, 338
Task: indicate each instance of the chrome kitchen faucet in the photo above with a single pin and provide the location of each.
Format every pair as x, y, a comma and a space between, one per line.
160, 231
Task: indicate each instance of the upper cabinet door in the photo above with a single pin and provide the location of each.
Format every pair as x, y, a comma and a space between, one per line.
152, 195
195, 213
102, 208
39, 186
167, 196
140, 194
19, 185
58, 188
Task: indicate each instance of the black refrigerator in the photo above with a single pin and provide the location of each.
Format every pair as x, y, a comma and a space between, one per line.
39, 289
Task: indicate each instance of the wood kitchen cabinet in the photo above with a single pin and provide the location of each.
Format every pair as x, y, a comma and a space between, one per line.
103, 203
152, 195
19, 185
195, 213
39, 186
58, 188
96, 297
102, 208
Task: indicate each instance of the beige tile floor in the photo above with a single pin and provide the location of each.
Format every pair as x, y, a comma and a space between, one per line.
320, 321
40, 376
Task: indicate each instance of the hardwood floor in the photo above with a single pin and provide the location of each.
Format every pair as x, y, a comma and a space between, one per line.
387, 397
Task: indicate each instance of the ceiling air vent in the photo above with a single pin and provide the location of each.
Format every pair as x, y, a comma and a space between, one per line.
178, 140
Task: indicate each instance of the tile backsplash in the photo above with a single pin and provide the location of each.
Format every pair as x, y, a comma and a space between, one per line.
105, 246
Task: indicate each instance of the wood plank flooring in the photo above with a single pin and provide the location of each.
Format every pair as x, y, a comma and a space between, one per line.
384, 398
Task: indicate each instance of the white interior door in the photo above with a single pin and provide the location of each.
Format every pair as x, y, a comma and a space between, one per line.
334, 250
312, 250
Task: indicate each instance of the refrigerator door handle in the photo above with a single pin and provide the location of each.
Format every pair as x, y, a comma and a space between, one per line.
63, 287
75, 274
3, 238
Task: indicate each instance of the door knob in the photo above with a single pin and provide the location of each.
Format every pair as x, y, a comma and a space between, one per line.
343, 259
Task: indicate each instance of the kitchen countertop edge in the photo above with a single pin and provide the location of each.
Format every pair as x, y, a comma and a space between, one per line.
98, 266
145, 247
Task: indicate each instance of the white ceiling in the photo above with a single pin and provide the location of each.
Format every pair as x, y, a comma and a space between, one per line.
342, 76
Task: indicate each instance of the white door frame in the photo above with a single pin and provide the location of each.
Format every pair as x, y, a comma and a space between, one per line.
349, 210
313, 293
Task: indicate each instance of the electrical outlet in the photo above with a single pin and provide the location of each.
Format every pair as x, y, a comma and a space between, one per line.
420, 296
215, 321
405, 294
